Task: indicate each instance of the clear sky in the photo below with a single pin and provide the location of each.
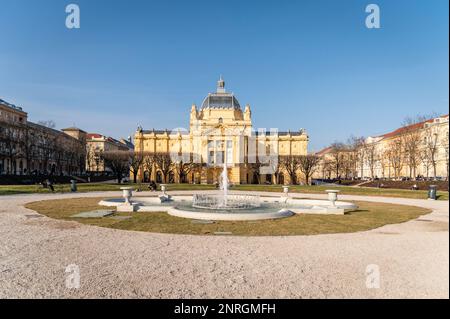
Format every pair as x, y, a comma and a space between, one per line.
299, 64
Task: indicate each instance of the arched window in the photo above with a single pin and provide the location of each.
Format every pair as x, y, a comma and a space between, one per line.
281, 179
146, 177
171, 177
159, 179
255, 178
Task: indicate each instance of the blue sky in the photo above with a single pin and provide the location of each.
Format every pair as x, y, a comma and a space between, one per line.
299, 64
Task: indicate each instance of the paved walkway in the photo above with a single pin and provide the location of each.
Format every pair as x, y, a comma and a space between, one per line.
412, 258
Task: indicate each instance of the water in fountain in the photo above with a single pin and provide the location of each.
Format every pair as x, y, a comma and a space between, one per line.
224, 184
224, 200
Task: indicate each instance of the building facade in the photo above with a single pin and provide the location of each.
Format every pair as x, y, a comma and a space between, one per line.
28, 148
417, 150
97, 145
220, 134
336, 162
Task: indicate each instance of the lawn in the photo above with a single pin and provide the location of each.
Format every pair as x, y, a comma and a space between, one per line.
368, 216
345, 190
88, 187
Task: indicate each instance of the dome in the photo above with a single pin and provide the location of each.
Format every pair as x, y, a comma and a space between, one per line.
221, 99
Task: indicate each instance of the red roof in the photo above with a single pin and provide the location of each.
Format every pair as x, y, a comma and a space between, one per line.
407, 128
94, 135
324, 151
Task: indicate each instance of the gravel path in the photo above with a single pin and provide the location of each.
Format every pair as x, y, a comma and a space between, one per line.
413, 259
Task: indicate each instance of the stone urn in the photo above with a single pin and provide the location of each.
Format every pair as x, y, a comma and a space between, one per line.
286, 190
164, 197
332, 196
127, 193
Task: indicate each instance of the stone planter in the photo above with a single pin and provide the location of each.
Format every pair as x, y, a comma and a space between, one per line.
127, 194
164, 197
332, 196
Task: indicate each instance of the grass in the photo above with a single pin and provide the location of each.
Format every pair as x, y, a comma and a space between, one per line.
88, 187
345, 190
369, 216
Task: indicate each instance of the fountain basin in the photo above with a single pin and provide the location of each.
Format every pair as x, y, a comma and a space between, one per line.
269, 208
230, 202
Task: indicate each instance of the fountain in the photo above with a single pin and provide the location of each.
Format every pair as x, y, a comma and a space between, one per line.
224, 201
164, 197
127, 205
224, 184
230, 202
232, 207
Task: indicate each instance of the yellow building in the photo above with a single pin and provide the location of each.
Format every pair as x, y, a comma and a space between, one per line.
97, 145
219, 133
420, 149
27, 148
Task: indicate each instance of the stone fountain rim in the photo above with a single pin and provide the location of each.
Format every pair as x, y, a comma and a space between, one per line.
316, 208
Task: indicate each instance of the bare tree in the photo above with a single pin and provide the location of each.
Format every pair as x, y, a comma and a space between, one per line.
291, 163
28, 145
348, 164
396, 156
79, 155
184, 166
9, 138
255, 169
164, 164
357, 147
384, 163
431, 146
308, 165
445, 145
276, 168
47, 145
136, 160
371, 157
337, 158
387, 154
411, 143
327, 169
118, 162
426, 161
148, 162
